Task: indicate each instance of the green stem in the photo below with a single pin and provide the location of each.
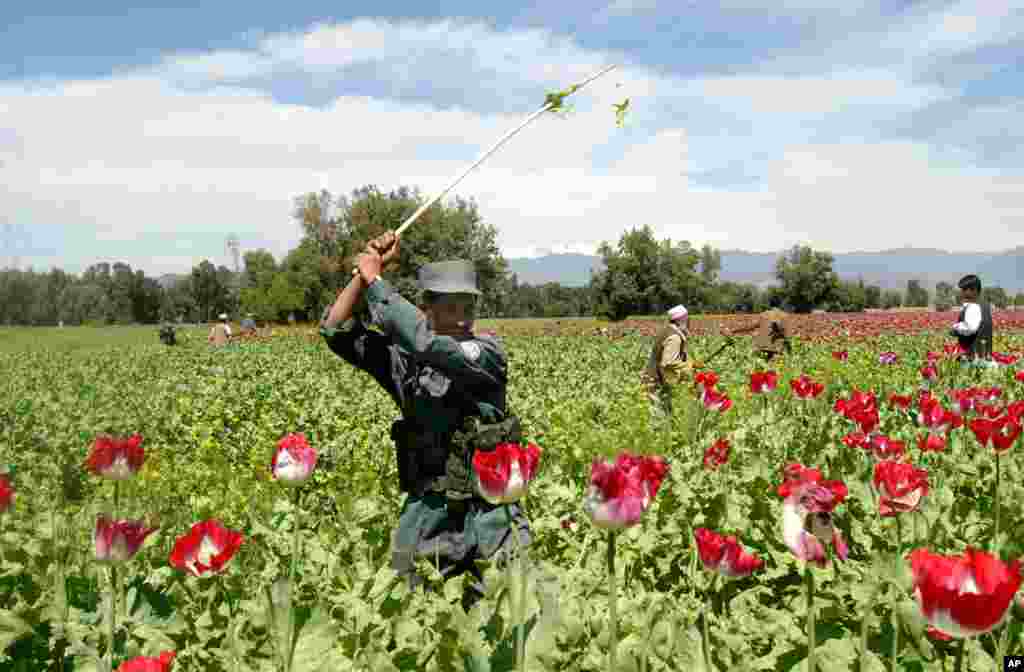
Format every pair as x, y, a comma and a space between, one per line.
706, 628
113, 584
707, 640
519, 610
895, 616
296, 538
958, 666
864, 633
811, 645
613, 626
995, 533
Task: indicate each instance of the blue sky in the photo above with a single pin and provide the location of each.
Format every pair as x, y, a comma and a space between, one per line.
150, 134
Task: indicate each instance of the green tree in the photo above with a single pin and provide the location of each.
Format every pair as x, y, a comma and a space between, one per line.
850, 297
208, 288
260, 267
872, 296
892, 298
642, 275
916, 295
995, 296
285, 296
806, 277
334, 230
1018, 300
944, 296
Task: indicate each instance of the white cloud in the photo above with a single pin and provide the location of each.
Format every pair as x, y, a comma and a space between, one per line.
179, 150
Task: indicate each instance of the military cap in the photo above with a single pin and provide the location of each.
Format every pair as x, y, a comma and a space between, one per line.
448, 277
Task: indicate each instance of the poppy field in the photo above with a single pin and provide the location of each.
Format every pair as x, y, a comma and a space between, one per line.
858, 505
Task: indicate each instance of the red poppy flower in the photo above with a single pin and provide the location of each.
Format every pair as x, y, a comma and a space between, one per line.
857, 402
6, 494
931, 442
840, 355
963, 595
857, 440
118, 541
206, 549
929, 372
934, 416
933, 357
883, 447
144, 664
989, 393
503, 475
724, 554
763, 381
1004, 359
706, 378
1019, 377
716, 401
805, 388
866, 419
293, 460
990, 411
1016, 410
717, 454
937, 634
900, 486
963, 400
1001, 432
952, 349
116, 458
621, 491
797, 475
900, 401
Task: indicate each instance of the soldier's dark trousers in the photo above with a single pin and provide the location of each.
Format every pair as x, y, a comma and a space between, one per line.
452, 534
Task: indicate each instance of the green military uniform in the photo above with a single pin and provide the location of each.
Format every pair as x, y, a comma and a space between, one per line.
444, 387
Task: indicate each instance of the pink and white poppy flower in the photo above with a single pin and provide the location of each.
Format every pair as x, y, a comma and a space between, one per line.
503, 475
620, 492
807, 514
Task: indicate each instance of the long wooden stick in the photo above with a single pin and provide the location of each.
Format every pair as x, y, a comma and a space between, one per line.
547, 106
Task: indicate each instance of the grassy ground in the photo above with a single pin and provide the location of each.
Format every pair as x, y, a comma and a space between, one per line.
83, 339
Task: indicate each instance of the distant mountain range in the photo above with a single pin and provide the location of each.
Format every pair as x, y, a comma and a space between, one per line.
890, 269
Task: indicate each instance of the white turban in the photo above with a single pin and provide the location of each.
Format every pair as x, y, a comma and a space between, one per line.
678, 312
223, 316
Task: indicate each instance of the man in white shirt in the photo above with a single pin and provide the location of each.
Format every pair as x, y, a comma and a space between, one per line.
220, 334
973, 329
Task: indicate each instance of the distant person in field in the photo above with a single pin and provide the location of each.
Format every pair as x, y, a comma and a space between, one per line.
450, 387
248, 326
771, 338
667, 363
220, 333
973, 329
167, 335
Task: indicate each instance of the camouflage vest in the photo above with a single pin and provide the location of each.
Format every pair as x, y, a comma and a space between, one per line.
653, 372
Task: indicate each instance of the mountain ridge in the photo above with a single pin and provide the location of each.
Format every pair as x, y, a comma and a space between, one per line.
890, 269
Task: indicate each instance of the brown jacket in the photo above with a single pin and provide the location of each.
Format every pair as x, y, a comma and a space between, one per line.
668, 355
771, 331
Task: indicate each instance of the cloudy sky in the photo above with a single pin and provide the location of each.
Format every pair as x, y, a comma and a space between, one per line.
149, 135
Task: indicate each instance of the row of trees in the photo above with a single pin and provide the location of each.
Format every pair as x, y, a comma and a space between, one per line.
641, 275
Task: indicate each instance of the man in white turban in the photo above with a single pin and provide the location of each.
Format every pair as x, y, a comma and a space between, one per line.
220, 334
668, 361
